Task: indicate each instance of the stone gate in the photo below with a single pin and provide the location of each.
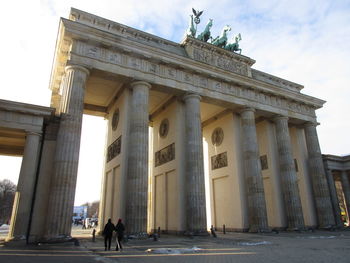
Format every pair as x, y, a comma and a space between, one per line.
180, 117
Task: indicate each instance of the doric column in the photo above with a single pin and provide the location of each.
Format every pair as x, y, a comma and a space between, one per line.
288, 175
254, 183
25, 188
63, 183
346, 188
137, 176
318, 178
334, 197
195, 189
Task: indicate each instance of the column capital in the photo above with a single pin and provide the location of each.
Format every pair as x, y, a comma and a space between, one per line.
246, 109
311, 124
140, 83
77, 67
33, 133
191, 95
280, 118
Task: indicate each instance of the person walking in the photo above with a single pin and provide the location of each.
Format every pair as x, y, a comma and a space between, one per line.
119, 228
108, 233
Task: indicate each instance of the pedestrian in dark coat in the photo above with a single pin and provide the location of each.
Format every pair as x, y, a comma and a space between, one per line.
119, 228
108, 233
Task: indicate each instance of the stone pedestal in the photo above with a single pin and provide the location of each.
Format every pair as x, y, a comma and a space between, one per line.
346, 188
288, 175
195, 188
137, 176
318, 178
334, 197
25, 188
62, 194
257, 216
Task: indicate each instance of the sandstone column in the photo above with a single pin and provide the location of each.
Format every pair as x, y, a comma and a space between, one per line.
137, 176
346, 188
195, 197
257, 216
334, 197
288, 175
318, 178
63, 183
25, 188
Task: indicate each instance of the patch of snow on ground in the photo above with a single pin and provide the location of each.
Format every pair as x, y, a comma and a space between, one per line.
319, 237
4, 228
172, 250
255, 243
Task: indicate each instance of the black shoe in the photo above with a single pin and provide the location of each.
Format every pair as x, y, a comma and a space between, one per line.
105, 249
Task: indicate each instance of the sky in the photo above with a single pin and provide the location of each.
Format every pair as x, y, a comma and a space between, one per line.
307, 42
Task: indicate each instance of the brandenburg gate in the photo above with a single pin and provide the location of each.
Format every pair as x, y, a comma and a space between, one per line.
196, 137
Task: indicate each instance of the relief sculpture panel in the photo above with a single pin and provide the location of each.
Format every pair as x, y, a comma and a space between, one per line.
219, 161
165, 155
114, 149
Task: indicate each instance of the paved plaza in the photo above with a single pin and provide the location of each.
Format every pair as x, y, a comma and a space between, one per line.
318, 246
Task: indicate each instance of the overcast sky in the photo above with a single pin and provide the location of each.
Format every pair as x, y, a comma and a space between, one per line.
307, 42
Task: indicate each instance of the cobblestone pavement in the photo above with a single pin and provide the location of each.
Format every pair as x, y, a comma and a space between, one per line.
319, 246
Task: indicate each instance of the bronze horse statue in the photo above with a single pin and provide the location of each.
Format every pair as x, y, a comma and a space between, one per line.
221, 40
234, 46
205, 35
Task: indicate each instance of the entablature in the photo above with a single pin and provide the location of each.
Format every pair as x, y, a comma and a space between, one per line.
337, 163
91, 46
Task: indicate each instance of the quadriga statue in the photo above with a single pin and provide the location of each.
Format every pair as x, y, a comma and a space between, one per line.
234, 46
205, 35
221, 40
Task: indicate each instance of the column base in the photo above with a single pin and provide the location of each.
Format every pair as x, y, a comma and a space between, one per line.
35, 240
328, 227
259, 230
60, 240
202, 233
15, 239
295, 229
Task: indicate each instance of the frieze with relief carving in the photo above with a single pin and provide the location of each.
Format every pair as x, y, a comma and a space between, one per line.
165, 155
219, 161
126, 60
114, 149
220, 62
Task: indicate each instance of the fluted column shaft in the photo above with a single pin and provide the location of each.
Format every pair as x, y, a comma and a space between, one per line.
25, 188
318, 178
137, 176
334, 197
63, 184
288, 175
254, 183
346, 188
195, 197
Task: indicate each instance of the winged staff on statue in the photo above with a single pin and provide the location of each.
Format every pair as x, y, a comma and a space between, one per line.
197, 14
219, 41
192, 29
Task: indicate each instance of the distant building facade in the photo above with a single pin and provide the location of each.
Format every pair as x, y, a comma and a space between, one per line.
196, 137
80, 212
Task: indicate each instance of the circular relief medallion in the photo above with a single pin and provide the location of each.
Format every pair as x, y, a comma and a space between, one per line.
115, 119
217, 136
164, 128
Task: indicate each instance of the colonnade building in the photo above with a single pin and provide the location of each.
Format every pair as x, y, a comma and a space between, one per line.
196, 137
